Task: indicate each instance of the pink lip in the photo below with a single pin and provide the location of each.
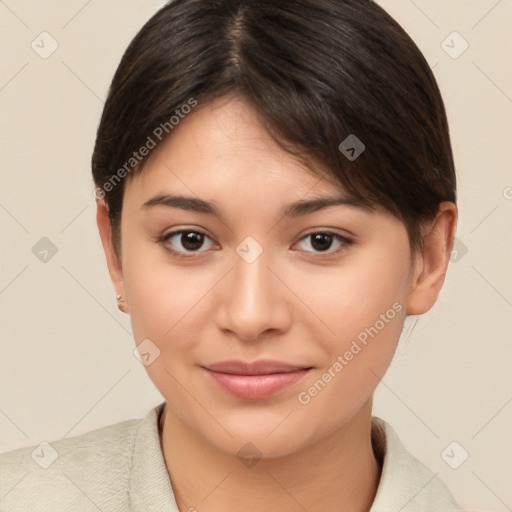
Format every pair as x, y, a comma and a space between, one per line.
256, 380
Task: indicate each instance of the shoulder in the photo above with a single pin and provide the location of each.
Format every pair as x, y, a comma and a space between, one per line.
406, 483
67, 474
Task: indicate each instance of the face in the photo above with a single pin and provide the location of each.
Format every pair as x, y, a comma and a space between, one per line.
273, 324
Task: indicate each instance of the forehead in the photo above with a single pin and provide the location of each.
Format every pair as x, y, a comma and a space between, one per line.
222, 146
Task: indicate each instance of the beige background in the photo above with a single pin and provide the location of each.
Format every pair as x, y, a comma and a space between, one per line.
66, 361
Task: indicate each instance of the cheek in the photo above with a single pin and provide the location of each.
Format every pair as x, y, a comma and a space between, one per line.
352, 297
364, 305
163, 297
167, 307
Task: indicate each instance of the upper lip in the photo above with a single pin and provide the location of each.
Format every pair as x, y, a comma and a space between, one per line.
263, 367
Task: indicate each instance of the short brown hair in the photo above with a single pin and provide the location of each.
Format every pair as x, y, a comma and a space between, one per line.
316, 71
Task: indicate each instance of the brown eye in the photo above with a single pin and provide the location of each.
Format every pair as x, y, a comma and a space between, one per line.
321, 242
185, 241
191, 240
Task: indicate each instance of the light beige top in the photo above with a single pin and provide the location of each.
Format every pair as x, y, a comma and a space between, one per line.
121, 468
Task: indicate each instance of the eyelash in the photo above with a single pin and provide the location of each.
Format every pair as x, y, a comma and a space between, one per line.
184, 255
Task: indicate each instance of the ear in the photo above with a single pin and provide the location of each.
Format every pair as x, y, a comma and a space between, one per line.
431, 262
113, 261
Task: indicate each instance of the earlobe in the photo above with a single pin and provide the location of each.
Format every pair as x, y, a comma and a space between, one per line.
113, 261
432, 261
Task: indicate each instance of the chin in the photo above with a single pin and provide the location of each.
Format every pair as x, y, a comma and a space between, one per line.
250, 442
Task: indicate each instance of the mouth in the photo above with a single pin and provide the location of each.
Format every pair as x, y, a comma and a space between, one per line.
255, 380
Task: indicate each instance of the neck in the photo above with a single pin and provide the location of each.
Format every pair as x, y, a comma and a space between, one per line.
340, 472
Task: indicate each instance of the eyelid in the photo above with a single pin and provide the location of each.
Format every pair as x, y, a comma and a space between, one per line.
329, 231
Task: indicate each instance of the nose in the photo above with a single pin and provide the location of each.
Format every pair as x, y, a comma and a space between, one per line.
252, 301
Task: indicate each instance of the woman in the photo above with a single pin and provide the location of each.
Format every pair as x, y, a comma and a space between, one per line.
275, 194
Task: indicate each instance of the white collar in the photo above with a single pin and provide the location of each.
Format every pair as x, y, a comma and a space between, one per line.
406, 485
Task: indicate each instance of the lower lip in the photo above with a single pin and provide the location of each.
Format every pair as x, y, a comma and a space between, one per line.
256, 387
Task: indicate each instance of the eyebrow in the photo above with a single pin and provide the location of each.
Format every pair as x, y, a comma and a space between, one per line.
295, 209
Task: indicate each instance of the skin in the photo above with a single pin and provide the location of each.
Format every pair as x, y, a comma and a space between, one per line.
295, 303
